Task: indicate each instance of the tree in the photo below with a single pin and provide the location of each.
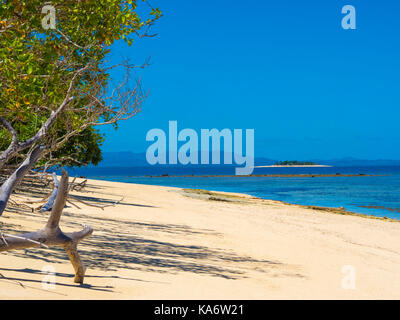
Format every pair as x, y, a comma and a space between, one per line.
54, 83
46, 73
81, 149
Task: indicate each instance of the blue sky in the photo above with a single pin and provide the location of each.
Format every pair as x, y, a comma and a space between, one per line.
287, 69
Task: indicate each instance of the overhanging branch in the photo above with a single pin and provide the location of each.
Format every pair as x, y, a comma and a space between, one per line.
16, 147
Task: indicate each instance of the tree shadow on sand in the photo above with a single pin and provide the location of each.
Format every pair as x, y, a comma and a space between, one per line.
134, 245
119, 244
22, 281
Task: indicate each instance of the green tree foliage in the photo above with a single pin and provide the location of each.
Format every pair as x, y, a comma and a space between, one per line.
39, 68
79, 150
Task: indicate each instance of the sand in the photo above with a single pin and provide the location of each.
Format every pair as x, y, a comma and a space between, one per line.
163, 243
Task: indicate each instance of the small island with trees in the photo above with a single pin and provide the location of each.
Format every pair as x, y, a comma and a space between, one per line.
294, 163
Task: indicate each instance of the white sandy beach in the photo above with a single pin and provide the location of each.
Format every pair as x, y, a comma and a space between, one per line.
159, 243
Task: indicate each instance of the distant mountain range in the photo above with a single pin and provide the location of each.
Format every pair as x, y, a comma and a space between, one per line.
345, 162
342, 162
123, 159
131, 159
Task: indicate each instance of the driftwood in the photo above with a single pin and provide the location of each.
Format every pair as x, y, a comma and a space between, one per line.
51, 234
49, 204
78, 186
95, 205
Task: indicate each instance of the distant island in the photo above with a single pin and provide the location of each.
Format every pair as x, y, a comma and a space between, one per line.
294, 163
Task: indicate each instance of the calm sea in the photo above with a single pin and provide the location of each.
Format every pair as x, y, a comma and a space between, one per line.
357, 194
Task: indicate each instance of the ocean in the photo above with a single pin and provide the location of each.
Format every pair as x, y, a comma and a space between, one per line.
376, 193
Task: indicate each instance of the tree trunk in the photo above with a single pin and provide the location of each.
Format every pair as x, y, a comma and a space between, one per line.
8, 186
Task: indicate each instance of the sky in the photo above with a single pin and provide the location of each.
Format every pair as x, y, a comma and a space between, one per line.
287, 69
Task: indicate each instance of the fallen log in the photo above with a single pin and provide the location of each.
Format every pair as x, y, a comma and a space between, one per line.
51, 234
49, 204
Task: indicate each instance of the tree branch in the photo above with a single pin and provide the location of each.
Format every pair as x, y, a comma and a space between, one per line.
8, 186
14, 142
15, 148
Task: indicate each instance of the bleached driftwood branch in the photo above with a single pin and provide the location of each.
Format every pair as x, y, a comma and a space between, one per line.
95, 205
49, 204
51, 234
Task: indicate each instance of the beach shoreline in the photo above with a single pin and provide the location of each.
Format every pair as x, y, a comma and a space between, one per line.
171, 243
296, 175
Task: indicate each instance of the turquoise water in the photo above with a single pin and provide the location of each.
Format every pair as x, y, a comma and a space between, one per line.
352, 193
